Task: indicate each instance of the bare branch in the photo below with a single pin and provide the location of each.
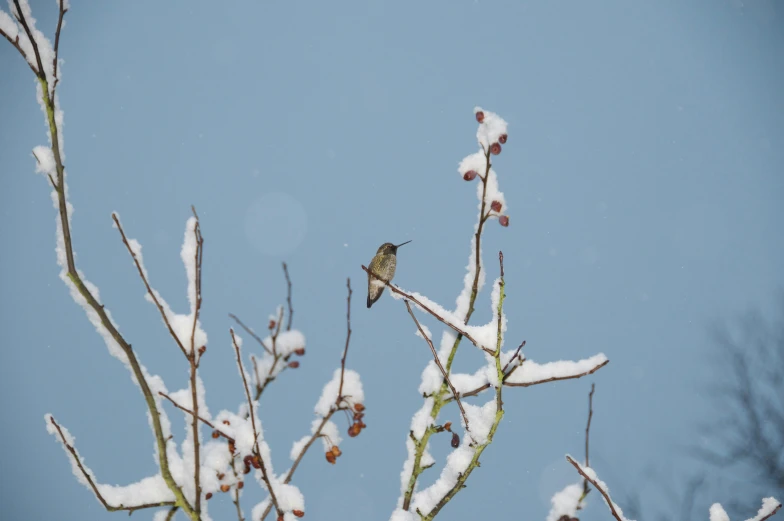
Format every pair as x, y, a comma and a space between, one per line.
252, 333
455, 394
20, 17
288, 296
438, 317
88, 477
263, 466
345, 349
63, 10
587, 438
150, 291
617, 514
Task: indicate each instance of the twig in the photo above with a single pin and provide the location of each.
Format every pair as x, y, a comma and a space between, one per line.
288, 296
263, 467
248, 330
345, 349
441, 319
150, 291
22, 20
438, 363
603, 492
193, 358
558, 378
63, 10
15, 43
106, 505
301, 455
771, 514
205, 421
171, 512
587, 438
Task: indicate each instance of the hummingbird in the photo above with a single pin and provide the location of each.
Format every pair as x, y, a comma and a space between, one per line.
383, 265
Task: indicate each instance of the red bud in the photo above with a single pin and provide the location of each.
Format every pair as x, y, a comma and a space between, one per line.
225, 488
495, 149
300, 351
503, 220
480, 116
271, 324
502, 139
298, 513
455, 440
331, 457
470, 175
293, 364
495, 206
359, 407
208, 496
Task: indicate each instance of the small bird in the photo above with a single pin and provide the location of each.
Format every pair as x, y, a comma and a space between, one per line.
383, 265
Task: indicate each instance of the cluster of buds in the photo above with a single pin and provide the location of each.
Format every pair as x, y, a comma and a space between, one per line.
251, 460
333, 454
356, 427
470, 175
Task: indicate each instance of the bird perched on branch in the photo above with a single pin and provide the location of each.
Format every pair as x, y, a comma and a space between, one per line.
382, 268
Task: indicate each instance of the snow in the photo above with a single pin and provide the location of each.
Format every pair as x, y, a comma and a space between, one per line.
564, 503
352, 390
287, 342
422, 419
8, 25
769, 505
490, 129
456, 464
148, 490
531, 372
403, 515
476, 162
717, 513
45, 161
480, 420
329, 436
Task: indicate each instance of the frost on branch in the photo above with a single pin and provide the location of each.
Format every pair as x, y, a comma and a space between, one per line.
770, 506
439, 385
565, 502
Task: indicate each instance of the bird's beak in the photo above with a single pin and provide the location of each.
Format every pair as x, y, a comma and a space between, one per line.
399, 245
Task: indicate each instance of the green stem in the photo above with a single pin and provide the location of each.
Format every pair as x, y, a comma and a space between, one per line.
499, 414
441, 398
73, 275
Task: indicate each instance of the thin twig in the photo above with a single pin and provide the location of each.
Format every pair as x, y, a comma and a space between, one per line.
15, 43
193, 359
150, 291
603, 492
288, 296
106, 505
63, 10
345, 349
171, 512
252, 333
586, 489
441, 319
22, 20
262, 465
455, 394
205, 421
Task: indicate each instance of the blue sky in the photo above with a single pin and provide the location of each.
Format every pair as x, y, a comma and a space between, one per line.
643, 175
